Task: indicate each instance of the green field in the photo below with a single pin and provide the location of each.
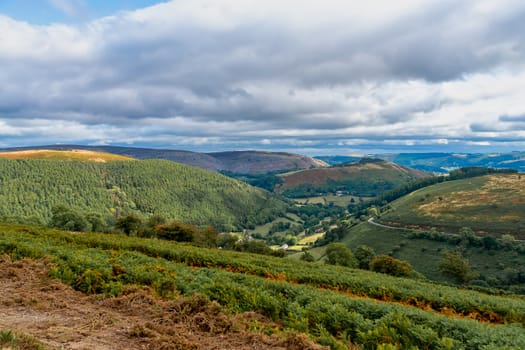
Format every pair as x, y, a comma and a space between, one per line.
342, 201
492, 204
494, 266
334, 305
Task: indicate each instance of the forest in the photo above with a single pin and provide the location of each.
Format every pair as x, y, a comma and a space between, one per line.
31, 189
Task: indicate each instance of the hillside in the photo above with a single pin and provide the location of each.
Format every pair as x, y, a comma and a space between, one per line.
74, 154
30, 189
366, 178
243, 162
259, 162
491, 204
444, 162
333, 305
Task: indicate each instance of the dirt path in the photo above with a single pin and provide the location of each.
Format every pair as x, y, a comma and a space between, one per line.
33, 304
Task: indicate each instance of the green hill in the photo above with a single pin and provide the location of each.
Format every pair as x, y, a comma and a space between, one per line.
366, 178
31, 188
491, 204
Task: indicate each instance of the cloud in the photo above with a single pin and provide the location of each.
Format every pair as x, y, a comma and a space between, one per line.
269, 74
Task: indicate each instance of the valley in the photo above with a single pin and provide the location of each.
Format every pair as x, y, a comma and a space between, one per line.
173, 233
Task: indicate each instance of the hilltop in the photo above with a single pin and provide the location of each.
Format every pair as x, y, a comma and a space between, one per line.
32, 188
366, 178
244, 162
73, 154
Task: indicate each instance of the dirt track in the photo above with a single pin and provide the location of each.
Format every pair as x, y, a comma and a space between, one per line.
33, 304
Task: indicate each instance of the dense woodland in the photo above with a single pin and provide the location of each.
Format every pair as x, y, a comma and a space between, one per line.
30, 189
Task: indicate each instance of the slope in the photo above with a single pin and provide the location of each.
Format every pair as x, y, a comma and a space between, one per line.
336, 306
260, 162
491, 204
32, 188
366, 178
245, 162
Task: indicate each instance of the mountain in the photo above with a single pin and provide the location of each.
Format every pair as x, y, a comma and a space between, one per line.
445, 162
492, 204
32, 188
260, 162
366, 178
243, 162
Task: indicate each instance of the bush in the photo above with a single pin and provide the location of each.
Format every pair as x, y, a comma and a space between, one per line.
391, 266
176, 231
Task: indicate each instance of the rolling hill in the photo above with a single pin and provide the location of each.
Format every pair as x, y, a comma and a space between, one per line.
32, 188
491, 204
243, 162
366, 178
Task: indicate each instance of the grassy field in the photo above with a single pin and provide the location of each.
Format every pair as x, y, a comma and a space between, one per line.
264, 229
492, 204
342, 201
425, 254
78, 155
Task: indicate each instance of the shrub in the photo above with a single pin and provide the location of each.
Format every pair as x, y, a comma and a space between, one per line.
391, 266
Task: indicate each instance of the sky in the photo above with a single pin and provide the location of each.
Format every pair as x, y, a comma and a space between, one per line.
314, 77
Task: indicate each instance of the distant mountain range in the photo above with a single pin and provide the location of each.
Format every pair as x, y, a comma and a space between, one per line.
444, 162
240, 162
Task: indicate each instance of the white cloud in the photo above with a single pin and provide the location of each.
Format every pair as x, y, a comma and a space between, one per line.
323, 73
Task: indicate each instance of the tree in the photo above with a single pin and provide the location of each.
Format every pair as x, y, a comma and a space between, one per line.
96, 222
364, 254
469, 238
455, 266
227, 240
68, 219
339, 254
391, 266
129, 224
176, 231
307, 256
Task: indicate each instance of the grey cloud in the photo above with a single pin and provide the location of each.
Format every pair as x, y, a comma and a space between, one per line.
267, 73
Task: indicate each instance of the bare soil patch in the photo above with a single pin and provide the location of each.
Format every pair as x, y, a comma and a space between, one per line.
61, 318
